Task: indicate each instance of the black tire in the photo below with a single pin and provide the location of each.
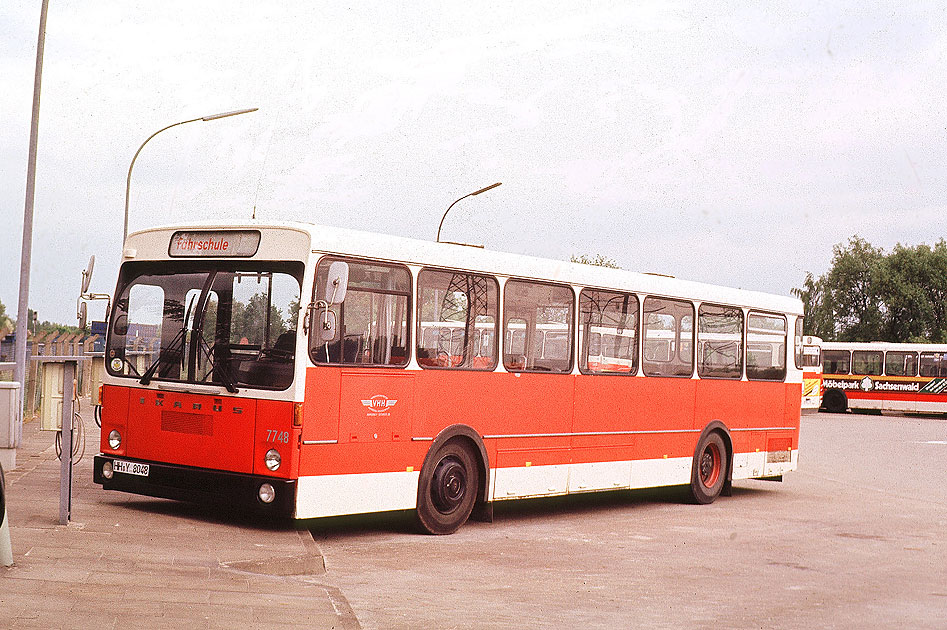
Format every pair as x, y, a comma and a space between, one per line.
835, 401
709, 470
447, 489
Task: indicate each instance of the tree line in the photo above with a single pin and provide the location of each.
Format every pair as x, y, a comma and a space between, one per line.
872, 295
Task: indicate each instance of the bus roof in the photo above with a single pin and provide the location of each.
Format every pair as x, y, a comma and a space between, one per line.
343, 241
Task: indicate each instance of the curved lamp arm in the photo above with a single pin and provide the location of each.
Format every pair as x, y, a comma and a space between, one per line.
464, 197
128, 180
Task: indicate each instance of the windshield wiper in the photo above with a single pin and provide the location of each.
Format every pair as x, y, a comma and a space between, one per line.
164, 354
220, 366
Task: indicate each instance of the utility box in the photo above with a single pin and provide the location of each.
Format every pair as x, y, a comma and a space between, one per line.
98, 369
50, 405
9, 402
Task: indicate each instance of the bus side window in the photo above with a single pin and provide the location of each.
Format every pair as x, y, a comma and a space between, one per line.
766, 347
457, 320
719, 342
608, 332
668, 333
372, 321
836, 361
542, 315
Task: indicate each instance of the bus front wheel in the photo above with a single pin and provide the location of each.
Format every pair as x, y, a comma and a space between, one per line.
447, 490
709, 470
835, 401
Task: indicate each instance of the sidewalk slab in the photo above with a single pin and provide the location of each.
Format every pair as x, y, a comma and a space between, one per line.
126, 561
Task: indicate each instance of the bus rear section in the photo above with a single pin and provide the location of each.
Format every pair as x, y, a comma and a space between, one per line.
199, 400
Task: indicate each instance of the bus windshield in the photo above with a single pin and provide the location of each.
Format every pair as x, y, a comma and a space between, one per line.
222, 323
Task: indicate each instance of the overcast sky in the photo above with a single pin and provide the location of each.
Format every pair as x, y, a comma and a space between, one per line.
709, 141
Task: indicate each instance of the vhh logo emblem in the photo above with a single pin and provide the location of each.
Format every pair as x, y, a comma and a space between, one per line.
379, 403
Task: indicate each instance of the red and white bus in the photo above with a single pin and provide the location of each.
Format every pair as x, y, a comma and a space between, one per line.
904, 377
811, 374
311, 371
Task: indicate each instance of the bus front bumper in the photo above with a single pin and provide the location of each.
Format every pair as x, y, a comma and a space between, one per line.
196, 485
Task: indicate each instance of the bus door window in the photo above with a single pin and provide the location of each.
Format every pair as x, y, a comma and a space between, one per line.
933, 364
668, 337
137, 330
867, 362
798, 345
457, 320
608, 332
719, 342
766, 347
372, 321
836, 361
898, 363
543, 314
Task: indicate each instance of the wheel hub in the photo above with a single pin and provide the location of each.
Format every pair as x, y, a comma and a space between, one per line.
449, 484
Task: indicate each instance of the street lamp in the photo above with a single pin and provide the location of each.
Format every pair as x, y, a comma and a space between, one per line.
128, 181
452, 205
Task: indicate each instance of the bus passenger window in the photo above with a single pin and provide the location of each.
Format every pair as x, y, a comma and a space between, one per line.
766, 347
836, 361
899, 363
668, 337
457, 320
537, 327
867, 362
372, 321
719, 342
608, 332
933, 364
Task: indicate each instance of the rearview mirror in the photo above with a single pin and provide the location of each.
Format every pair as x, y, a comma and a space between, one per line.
327, 325
87, 276
82, 315
337, 282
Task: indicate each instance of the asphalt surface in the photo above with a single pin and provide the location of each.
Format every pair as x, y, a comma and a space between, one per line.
854, 539
127, 562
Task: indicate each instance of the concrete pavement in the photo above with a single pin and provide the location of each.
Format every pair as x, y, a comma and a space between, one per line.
135, 562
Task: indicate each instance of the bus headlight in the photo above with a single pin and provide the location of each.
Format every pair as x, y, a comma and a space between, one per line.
266, 493
115, 439
272, 459
107, 470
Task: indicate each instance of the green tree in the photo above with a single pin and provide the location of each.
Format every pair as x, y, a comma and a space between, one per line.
913, 282
868, 295
598, 260
855, 292
6, 323
818, 309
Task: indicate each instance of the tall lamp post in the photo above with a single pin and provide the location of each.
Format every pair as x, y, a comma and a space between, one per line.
491, 186
128, 181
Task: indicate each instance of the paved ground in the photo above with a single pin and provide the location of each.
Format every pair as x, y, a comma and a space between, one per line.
127, 563
854, 539
857, 538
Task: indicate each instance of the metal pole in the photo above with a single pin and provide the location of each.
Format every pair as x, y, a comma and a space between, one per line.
22, 311
65, 457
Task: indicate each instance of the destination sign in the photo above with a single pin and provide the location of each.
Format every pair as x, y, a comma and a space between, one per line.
214, 243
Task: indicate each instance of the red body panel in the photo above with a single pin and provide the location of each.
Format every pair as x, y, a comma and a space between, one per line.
205, 431
530, 419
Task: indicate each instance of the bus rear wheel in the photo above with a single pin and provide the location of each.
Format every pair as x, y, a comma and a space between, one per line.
709, 469
447, 490
835, 401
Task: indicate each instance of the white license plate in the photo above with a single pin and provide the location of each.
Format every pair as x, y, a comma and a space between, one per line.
130, 468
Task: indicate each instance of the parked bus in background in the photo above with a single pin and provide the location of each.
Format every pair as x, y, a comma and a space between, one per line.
811, 374
905, 377
310, 371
